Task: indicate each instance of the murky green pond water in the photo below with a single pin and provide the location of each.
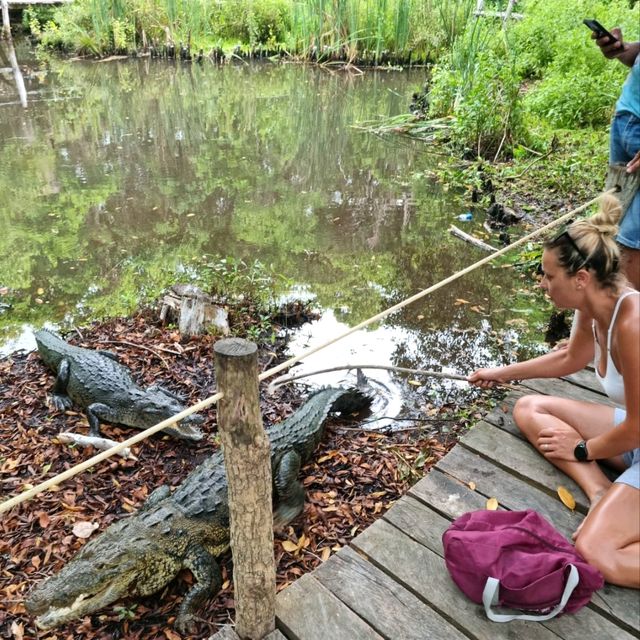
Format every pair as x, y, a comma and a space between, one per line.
122, 175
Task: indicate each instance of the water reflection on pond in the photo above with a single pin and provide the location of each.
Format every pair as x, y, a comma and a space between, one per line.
122, 176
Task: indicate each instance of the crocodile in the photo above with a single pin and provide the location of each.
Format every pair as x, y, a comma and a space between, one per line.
96, 381
186, 529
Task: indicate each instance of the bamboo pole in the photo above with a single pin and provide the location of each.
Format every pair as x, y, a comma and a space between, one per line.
248, 465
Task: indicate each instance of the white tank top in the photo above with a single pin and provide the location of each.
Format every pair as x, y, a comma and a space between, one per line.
612, 383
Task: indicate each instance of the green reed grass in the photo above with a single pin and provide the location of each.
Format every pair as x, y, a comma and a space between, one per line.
369, 31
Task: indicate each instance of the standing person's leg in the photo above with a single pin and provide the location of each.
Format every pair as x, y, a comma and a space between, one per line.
624, 143
629, 240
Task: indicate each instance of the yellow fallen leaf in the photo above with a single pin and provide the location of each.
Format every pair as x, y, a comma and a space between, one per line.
289, 546
415, 383
460, 301
492, 504
567, 498
325, 554
472, 486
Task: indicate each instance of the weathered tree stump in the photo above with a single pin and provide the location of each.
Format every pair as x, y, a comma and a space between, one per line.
248, 465
193, 311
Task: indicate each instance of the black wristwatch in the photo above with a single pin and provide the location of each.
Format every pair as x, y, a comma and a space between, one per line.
580, 452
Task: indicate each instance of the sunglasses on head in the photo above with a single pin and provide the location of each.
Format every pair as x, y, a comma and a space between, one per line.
565, 234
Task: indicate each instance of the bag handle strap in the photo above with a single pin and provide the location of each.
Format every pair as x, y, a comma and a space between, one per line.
490, 598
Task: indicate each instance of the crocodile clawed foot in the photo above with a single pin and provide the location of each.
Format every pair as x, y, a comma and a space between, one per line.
61, 403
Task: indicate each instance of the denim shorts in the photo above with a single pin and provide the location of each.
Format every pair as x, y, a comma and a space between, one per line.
630, 476
624, 143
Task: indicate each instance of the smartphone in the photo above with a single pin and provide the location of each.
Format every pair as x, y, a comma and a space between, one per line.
600, 31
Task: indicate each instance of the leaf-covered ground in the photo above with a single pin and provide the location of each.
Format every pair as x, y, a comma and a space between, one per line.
354, 477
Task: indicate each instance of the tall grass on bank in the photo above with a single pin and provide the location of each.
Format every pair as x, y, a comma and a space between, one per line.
366, 31
352, 30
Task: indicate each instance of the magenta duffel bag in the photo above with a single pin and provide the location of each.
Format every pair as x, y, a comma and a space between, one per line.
517, 559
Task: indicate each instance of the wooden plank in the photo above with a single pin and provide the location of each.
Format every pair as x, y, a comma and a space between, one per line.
587, 379
307, 610
501, 415
521, 459
424, 572
388, 607
446, 495
407, 515
513, 493
227, 632
565, 389
426, 527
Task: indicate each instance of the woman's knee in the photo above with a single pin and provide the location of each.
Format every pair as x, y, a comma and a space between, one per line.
525, 411
597, 554
589, 547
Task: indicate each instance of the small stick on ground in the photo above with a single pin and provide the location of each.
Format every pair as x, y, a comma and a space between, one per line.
66, 437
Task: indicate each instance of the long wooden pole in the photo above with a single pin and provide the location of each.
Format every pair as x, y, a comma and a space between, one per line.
247, 462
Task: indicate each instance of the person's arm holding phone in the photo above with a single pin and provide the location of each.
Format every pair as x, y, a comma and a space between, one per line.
626, 52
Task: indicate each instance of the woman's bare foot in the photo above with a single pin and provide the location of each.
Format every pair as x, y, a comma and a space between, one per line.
594, 501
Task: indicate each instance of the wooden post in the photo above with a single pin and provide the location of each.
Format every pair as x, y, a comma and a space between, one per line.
6, 27
248, 464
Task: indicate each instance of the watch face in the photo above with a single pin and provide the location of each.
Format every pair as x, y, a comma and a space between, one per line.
580, 452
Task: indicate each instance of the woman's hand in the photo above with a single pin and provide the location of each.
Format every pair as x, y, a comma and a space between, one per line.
487, 378
558, 443
634, 164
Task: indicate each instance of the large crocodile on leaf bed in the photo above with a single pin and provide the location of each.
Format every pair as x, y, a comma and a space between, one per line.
188, 528
96, 381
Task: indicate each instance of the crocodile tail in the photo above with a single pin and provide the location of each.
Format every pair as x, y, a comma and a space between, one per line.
353, 400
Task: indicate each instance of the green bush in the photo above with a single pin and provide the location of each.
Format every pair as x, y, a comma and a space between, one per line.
574, 100
574, 85
489, 119
479, 85
253, 23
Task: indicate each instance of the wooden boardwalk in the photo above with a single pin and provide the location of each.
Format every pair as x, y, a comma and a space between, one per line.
391, 581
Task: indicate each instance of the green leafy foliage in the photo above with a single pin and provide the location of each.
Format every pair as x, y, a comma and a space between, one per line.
543, 67
372, 31
478, 84
571, 83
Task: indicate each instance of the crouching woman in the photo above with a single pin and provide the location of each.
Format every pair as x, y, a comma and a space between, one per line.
581, 271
